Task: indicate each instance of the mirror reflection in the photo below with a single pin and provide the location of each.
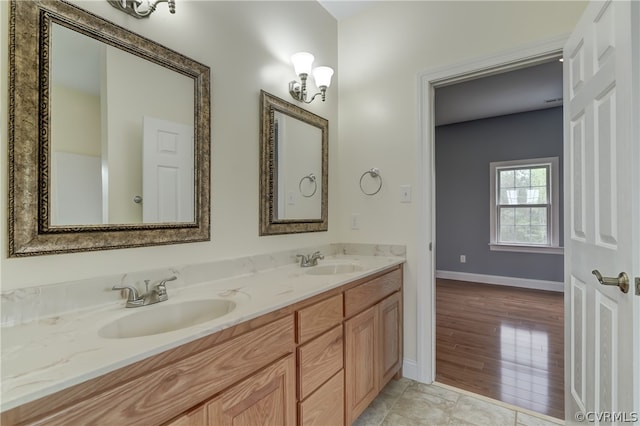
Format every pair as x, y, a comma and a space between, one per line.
298, 168
294, 170
122, 136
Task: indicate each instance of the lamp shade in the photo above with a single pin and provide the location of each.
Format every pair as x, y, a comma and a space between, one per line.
302, 62
322, 76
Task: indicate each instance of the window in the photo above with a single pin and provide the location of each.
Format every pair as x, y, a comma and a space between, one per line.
525, 205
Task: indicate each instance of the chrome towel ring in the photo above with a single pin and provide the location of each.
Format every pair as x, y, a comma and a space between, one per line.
312, 179
374, 173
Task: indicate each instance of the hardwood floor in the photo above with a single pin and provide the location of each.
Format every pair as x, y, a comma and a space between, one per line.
505, 343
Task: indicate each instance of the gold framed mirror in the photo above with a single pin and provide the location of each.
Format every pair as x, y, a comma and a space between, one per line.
148, 103
294, 153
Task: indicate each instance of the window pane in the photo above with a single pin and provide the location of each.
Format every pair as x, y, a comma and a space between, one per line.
507, 234
508, 196
523, 216
522, 234
523, 178
539, 177
506, 179
539, 216
538, 234
538, 195
507, 216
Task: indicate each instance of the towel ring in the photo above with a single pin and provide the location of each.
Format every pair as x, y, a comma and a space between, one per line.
374, 173
312, 178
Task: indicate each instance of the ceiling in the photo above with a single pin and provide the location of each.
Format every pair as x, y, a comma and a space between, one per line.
526, 89
341, 9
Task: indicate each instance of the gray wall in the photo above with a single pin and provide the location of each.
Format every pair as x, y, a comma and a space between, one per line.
463, 154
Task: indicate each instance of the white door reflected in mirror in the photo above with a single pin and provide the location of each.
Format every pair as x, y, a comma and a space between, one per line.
167, 172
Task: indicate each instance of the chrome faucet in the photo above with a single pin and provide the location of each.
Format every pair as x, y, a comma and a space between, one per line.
310, 260
158, 293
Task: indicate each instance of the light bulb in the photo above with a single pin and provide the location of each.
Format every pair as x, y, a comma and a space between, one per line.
302, 62
322, 76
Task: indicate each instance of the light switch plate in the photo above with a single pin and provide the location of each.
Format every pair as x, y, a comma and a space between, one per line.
355, 221
405, 193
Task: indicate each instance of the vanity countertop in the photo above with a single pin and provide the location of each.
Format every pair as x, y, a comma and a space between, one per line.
46, 356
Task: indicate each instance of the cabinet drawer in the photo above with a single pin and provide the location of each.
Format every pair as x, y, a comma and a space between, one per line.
316, 319
361, 297
318, 360
325, 406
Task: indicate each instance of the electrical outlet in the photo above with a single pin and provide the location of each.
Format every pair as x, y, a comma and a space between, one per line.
355, 221
463, 258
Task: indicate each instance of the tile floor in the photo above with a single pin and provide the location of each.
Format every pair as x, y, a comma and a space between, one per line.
405, 402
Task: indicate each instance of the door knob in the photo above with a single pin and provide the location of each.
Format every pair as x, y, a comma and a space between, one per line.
622, 281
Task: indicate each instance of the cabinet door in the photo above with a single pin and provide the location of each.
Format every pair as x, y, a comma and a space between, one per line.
196, 417
361, 368
390, 312
265, 398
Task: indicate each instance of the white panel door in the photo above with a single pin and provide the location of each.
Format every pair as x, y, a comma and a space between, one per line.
168, 173
602, 214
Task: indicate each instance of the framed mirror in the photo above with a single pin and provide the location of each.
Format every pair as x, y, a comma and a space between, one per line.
109, 136
294, 152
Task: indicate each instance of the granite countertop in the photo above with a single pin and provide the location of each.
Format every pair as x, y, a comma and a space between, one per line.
51, 354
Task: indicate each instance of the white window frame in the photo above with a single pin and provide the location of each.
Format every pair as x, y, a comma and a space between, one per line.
553, 246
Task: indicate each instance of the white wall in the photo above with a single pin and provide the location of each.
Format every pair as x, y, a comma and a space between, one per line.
247, 45
381, 53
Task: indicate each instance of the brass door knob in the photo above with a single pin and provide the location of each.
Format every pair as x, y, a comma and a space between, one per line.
622, 281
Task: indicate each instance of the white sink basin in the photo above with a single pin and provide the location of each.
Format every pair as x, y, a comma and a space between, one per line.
334, 269
159, 318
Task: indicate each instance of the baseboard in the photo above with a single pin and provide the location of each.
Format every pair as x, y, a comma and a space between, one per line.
410, 369
498, 280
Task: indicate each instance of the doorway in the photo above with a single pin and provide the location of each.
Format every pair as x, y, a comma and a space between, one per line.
501, 341
532, 55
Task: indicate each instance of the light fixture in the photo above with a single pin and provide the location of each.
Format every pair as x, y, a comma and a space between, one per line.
302, 62
141, 8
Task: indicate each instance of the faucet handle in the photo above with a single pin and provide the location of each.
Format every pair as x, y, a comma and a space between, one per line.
163, 282
132, 295
161, 288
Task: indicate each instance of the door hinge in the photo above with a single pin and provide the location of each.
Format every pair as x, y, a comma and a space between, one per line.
430, 246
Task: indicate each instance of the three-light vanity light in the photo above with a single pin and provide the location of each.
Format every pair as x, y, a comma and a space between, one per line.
302, 62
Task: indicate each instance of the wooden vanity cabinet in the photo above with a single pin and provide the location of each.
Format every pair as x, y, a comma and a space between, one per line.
373, 340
